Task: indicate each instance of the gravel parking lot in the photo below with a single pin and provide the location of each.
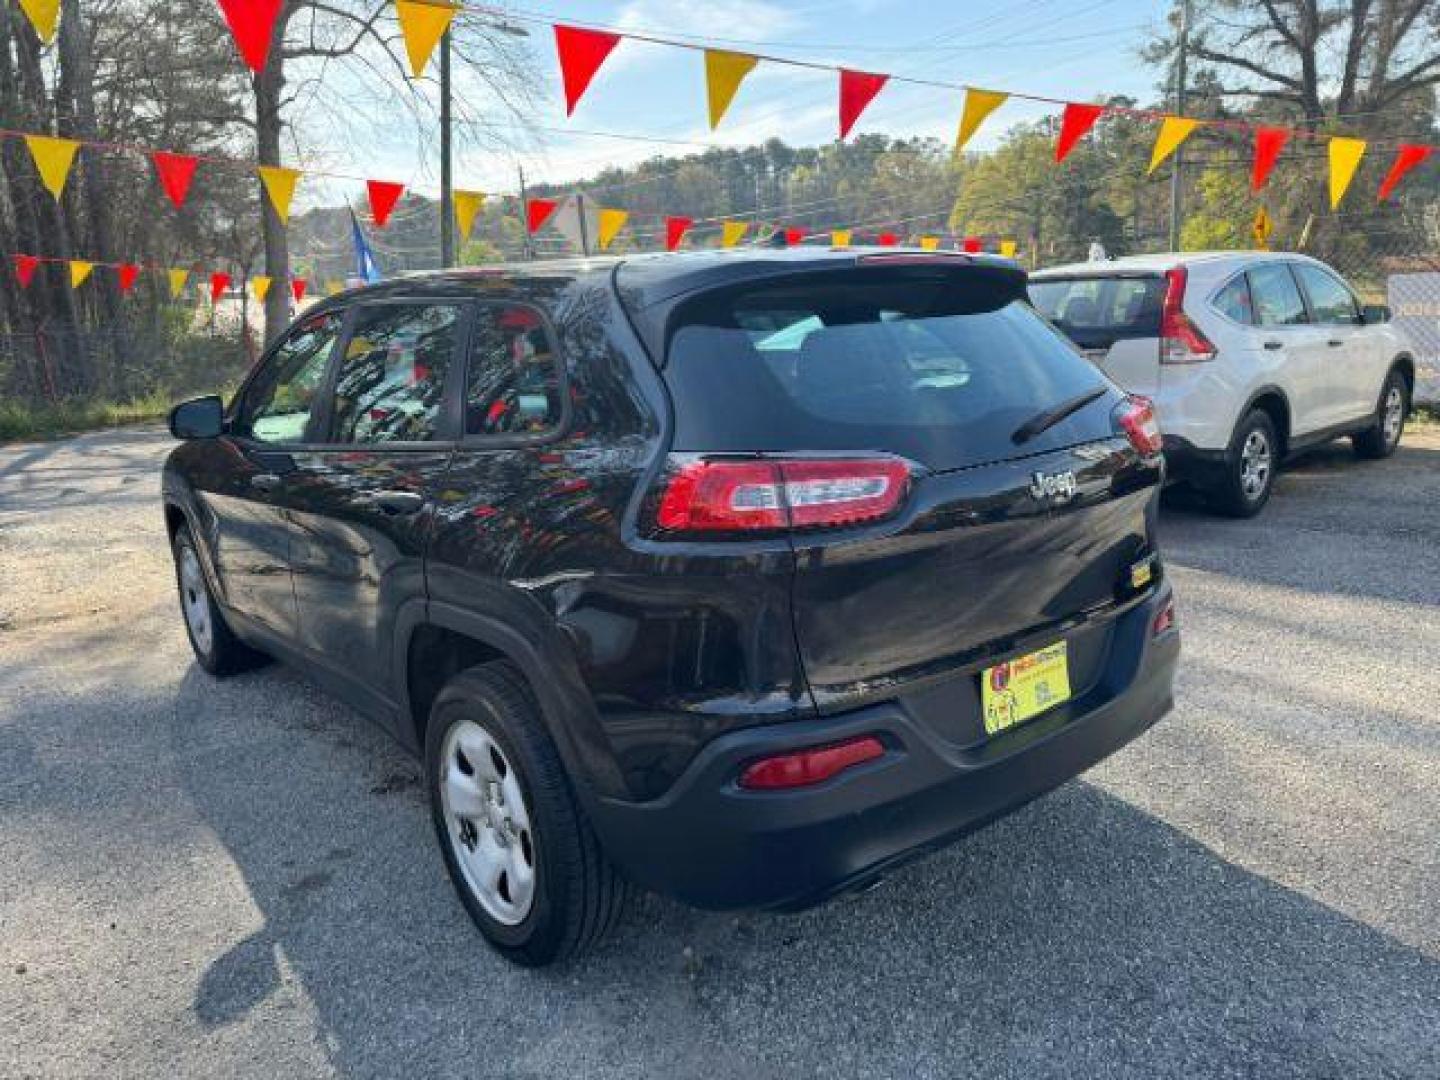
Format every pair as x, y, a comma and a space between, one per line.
239, 879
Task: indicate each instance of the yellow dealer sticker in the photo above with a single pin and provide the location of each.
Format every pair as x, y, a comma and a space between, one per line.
1023, 688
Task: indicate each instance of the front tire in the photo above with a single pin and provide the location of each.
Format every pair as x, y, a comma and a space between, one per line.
516, 843
1250, 467
216, 647
1381, 439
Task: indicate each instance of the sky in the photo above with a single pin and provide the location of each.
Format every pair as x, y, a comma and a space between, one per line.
649, 99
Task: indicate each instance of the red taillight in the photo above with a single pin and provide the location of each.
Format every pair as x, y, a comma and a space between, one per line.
1181, 341
1136, 418
739, 496
1164, 619
805, 767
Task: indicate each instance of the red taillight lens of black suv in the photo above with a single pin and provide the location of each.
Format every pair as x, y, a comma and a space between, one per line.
1135, 416
707, 495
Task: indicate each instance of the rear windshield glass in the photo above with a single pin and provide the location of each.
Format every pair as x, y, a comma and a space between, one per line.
941, 369
1095, 312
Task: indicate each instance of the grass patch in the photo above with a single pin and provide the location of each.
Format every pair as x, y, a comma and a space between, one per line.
21, 422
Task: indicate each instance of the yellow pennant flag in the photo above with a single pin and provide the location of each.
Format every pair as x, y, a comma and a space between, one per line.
467, 206
79, 271
53, 158
732, 232
43, 15
280, 186
611, 222
1345, 155
1007, 248
978, 105
724, 72
1174, 130
929, 243
260, 284
333, 287
423, 26
840, 237
177, 282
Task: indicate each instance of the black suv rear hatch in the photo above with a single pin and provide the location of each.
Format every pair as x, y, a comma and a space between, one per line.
1004, 542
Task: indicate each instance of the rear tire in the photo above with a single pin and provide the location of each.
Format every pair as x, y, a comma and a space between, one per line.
1250, 466
1382, 438
216, 647
519, 851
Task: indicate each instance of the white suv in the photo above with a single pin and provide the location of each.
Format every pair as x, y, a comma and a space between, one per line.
1248, 357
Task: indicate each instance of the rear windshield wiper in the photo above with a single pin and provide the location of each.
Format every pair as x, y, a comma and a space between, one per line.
1050, 417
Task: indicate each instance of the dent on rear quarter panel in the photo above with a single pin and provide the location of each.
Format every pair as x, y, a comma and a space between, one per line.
651, 654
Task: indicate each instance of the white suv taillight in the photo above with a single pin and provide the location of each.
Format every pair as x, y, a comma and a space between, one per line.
1181, 341
729, 495
1135, 416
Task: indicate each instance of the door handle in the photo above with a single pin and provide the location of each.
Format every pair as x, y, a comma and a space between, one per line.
1273, 345
398, 502
265, 481
1335, 343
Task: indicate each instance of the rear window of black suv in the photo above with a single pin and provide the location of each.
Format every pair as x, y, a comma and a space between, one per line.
939, 367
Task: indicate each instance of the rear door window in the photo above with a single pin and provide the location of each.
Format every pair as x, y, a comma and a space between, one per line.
1276, 297
941, 368
391, 383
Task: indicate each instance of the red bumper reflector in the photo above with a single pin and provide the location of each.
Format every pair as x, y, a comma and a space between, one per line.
1164, 619
805, 767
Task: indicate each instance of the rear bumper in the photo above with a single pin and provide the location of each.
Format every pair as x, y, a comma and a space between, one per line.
713, 845
1186, 461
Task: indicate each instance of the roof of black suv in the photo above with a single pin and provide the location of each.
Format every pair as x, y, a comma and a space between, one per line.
653, 278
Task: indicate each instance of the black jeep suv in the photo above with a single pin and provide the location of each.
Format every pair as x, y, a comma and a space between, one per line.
743, 576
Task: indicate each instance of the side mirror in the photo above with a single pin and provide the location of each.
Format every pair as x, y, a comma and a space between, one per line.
1374, 313
201, 418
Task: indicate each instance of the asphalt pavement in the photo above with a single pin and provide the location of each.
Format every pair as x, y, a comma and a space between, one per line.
239, 879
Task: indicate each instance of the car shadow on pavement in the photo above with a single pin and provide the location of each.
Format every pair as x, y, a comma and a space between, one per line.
1079, 937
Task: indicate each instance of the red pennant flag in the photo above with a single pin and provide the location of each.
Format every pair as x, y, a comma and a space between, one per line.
857, 90
537, 212
252, 22
794, 236
1268, 144
175, 172
581, 54
1076, 121
297, 288
219, 282
675, 230
971, 244
1406, 158
126, 274
887, 239
383, 197
25, 267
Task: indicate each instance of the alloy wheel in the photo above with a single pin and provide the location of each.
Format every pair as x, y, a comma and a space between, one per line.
487, 823
1255, 465
194, 600
1394, 416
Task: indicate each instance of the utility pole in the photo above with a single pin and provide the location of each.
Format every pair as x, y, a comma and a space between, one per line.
447, 183
1177, 160
584, 230
525, 213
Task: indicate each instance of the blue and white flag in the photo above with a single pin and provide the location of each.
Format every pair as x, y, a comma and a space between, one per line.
366, 268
